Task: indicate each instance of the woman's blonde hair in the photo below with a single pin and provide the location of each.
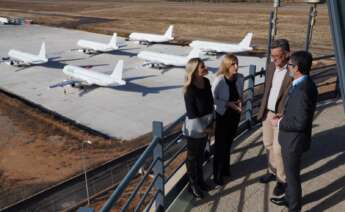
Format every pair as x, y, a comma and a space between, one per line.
191, 68
227, 61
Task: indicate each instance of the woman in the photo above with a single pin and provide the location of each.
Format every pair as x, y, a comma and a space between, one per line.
199, 105
227, 92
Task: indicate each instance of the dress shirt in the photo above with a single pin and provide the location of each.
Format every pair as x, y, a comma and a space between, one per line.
277, 81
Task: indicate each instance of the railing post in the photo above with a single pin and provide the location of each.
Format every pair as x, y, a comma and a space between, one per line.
270, 38
158, 169
250, 95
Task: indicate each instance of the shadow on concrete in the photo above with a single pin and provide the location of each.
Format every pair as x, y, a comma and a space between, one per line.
55, 63
118, 52
324, 144
131, 87
144, 90
123, 52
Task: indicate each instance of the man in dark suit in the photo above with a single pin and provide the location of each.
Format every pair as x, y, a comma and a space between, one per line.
277, 83
295, 126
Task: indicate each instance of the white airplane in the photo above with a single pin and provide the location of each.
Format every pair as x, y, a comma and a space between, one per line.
19, 58
81, 76
146, 38
160, 60
4, 20
92, 47
216, 47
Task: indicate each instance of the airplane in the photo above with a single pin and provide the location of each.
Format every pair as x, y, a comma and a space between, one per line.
19, 58
92, 47
213, 48
4, 20
160, 60
81, 76
146, 38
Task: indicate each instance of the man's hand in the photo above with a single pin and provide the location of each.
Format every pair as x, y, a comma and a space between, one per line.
275, 119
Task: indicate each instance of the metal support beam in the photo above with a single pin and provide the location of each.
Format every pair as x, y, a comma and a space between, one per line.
250, 96
269, 42
158, 169
336, 11
311, 24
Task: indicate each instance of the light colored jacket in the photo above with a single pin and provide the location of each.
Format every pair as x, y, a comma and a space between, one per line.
220, 91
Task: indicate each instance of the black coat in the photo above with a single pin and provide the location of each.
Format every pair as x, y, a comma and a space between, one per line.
296, 125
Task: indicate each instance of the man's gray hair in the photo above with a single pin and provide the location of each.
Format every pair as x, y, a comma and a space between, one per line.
281, 43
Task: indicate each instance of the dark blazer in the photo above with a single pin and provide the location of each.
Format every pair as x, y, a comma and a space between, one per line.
282, 93
296, 125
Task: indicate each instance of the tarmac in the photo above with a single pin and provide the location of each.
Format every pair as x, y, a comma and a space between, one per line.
322, 174
124, 112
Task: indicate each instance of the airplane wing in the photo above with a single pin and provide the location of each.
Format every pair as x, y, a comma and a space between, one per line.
65, 83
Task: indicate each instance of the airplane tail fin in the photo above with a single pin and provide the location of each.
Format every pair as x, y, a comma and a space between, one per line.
42, 53
194, 53
169, 32
113, 41
245, 42
117, 73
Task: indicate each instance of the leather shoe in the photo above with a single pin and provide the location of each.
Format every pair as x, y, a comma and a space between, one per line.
267, 178
196, 191
279, 189
281, 201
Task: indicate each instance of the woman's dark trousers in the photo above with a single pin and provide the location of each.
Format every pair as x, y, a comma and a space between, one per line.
195, 159
226, 127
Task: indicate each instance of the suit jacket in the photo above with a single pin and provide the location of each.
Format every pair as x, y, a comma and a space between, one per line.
281, 96
296, 124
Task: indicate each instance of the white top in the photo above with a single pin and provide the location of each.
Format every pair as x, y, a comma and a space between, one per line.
220, 91
277, 82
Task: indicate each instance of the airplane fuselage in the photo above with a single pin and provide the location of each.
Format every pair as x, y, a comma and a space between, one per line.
26, 57
91, 77
101, 47
165, 59
4, 20
219, 47
148, 37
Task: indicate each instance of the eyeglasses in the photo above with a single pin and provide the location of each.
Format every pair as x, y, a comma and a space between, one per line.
290, 64
234, 63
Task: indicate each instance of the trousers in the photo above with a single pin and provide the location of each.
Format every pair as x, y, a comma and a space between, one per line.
195, 159
226, 127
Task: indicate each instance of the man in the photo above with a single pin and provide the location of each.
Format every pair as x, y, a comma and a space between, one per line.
295, 126
276, 88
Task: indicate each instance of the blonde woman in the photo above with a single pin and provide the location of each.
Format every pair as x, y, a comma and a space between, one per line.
227, 92
199, 106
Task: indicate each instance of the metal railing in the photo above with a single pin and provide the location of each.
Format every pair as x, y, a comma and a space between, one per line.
162, 142
170, 141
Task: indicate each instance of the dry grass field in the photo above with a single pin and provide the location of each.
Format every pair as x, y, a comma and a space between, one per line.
192, 20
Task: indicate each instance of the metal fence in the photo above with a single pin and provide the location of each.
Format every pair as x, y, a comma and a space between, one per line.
163, 141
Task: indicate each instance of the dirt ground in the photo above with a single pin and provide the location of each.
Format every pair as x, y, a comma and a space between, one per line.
36, 150
193, 20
